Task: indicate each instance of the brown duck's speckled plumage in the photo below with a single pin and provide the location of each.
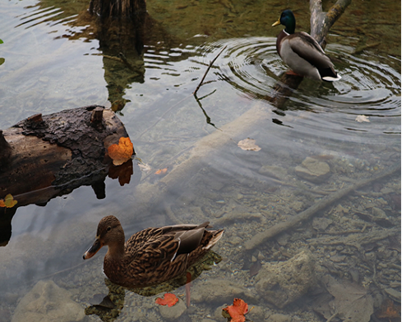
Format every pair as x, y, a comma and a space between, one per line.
153, 255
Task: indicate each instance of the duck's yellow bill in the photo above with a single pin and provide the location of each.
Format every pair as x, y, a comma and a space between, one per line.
276, 23
92, 250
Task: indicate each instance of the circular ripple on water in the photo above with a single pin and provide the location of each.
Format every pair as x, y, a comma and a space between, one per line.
369, 86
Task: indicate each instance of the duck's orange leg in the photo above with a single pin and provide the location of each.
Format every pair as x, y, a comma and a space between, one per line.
291, 72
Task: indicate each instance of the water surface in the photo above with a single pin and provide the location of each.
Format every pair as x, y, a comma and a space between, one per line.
53, 61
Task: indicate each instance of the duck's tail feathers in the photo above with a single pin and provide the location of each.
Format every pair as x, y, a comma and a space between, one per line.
331, 78
214, 239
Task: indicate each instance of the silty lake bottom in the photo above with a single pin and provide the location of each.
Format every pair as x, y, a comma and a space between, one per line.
343, 263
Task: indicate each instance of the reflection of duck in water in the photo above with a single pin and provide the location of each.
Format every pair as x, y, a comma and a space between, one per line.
112, 304
301, 52
153, 255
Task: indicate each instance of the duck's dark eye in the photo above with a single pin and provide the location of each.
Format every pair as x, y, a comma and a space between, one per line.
109, 229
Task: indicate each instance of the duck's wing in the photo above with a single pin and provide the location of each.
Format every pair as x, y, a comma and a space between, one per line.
154, 245
309, 49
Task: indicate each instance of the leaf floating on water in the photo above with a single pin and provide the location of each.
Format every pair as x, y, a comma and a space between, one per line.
169, 299
8, 201
121, 152
248, 144
237, 311
362, 118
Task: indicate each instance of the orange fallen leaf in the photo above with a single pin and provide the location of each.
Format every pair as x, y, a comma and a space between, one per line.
121, 152
161, 171
237, 310
169, 299
8, 201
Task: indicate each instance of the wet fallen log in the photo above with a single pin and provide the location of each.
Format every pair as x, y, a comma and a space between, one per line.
42, 157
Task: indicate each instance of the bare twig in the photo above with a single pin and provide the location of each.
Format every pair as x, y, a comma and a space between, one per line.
208, 119
208, 68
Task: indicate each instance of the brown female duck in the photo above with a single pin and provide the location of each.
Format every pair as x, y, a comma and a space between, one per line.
153, 255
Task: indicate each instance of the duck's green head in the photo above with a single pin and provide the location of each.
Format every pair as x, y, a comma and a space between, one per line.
288, 20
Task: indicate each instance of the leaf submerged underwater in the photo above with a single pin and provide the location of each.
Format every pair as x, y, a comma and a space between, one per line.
169, 299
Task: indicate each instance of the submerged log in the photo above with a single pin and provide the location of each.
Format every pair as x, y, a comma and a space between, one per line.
42, 157
204, 149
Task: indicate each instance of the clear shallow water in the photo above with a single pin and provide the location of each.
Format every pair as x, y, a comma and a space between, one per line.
52, 63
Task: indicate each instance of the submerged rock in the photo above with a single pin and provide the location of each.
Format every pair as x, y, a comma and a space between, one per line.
48, 302
218, 290
273, 171
283, 283
174, 312
313, 170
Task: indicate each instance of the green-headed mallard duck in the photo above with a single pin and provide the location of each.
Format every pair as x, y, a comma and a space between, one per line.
153, 255
301, 52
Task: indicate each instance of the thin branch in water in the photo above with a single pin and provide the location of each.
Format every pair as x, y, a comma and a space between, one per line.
208, 68
208, 119
207, 95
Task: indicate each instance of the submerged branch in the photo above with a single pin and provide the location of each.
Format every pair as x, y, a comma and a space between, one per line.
314, 209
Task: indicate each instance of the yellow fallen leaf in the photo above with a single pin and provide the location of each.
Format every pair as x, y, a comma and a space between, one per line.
248, 144
8, 201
